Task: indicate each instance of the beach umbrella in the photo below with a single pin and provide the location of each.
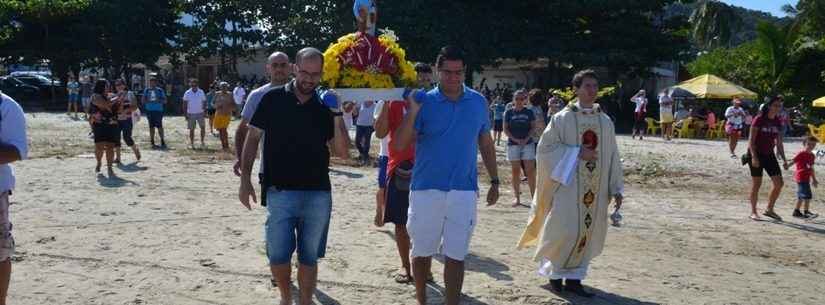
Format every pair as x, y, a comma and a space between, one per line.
679, 93
713, 87
820, 102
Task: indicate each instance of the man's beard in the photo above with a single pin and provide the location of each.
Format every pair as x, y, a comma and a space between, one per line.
302, 88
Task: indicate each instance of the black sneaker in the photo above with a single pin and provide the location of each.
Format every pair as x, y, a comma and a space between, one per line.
798, 214
556, 286
810, 215
575, 287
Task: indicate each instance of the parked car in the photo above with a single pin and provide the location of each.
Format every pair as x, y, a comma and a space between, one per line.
44, 85
18, 90
38, 80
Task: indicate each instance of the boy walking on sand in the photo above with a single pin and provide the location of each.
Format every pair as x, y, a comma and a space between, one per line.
804, 161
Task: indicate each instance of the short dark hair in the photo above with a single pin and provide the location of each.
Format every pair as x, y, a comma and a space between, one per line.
536, 97
307, 53
423, 68
449, 53
581, 75
810, 139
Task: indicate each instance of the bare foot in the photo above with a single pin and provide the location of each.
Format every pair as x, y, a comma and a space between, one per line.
755, 217
379, 217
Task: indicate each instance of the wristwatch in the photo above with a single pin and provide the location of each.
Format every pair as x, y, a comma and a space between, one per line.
495, 181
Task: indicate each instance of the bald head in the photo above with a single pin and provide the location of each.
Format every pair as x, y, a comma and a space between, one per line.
277, 57
279, 68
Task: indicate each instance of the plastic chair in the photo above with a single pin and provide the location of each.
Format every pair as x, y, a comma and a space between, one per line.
652, 126
718, 132
817, 132
685, 131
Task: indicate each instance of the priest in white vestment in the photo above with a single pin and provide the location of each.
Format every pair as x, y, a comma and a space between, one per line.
578, 172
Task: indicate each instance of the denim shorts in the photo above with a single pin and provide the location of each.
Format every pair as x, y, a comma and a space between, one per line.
297, 220
804, 191
382, 171
74, 98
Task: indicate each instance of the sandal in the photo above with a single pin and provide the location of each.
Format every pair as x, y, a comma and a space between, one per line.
773, 215
403, 278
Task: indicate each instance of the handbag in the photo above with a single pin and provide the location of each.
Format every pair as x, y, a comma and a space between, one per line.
746, 158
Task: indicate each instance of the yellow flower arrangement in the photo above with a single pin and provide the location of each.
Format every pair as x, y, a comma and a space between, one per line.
336, 75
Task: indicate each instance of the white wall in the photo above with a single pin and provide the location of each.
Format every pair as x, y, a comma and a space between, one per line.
253, 66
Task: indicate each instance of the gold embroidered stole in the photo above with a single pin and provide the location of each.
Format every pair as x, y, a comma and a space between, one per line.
589, 133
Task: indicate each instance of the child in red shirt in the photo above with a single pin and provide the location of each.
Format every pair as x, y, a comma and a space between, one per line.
804, 161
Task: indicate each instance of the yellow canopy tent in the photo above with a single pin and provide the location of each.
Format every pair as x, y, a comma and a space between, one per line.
713, 87
820, 102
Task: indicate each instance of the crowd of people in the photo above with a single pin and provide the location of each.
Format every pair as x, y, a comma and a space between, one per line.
427, 174
428, 179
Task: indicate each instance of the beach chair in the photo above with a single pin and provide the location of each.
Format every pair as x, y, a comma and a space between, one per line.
685, 131
817, 132
652, 126
718, 132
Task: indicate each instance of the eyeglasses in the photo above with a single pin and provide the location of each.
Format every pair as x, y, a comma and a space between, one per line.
310, 75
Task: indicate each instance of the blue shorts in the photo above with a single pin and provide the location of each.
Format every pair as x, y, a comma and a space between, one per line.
74, 98
804, 191
383, 161
155, 119
297, 220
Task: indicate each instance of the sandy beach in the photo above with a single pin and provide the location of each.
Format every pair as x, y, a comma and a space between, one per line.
170, 230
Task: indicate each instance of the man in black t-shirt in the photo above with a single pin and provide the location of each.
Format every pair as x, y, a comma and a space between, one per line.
298, 130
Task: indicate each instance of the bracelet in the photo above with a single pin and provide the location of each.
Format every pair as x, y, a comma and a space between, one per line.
495, 181
335, 114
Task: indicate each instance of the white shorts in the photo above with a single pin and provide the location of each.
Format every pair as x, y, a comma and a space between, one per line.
439, 221
519, 152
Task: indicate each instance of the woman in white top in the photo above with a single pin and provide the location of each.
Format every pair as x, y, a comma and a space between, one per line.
734, 125
639, 114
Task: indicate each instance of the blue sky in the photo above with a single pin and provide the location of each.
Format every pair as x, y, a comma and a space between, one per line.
771, 6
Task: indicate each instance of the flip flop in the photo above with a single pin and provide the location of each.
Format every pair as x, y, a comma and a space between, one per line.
403, 278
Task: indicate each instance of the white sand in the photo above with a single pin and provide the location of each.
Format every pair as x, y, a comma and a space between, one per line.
170, 230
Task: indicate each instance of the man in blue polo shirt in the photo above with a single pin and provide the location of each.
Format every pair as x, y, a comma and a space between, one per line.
449, 125
154, 98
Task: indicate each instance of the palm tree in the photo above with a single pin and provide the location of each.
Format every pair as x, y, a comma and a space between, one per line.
779, 46
714, 24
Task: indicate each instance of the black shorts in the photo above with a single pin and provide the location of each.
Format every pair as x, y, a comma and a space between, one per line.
398, 202
768, 163
155, 119
498, 125
106, 133
210, 112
